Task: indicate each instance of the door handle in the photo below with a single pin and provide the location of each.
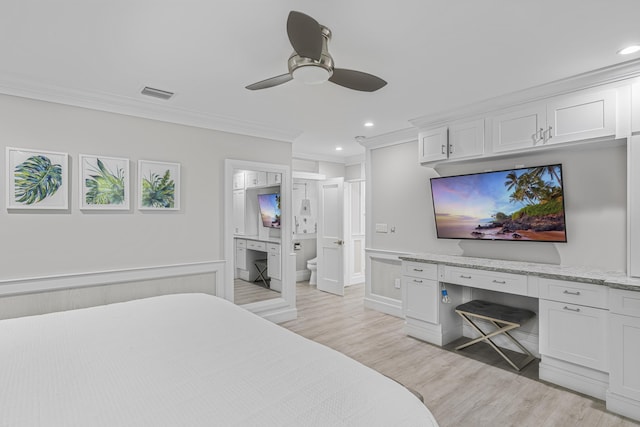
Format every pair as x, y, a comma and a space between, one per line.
339, 242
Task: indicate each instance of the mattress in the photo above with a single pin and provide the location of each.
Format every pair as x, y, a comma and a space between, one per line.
185, 360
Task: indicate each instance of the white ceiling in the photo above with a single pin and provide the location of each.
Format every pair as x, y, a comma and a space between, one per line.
435, 55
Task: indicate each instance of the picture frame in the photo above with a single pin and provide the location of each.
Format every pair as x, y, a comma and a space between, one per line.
158, 185
104, 182
36, 179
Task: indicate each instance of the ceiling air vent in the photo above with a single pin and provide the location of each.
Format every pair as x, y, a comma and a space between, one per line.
157, 93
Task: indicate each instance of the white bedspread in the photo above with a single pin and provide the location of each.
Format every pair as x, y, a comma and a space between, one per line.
185, 360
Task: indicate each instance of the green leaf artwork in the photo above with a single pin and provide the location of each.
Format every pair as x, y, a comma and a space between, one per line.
105, 187
36, 179
158, 192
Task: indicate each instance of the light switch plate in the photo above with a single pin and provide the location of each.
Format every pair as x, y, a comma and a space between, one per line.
381, 228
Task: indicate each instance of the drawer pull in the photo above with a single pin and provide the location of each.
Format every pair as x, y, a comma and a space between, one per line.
577, 310
465, 277
500, 282
571, 293
418, 269
417, 281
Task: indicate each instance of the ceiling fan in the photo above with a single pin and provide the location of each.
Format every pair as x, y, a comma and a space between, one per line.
311, 62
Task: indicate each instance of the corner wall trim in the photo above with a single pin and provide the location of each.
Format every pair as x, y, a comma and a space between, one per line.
86, 279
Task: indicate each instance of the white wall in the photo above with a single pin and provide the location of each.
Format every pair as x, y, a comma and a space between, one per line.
37, 244
595, 203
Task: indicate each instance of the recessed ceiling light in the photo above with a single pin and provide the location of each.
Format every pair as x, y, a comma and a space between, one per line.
368, 124
629, 50
338, 148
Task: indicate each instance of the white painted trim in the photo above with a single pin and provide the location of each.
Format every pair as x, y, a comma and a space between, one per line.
318, 157
384, 305
388, 139
99, 278
309, 175
286, 305
573, 377
146, 108
608, 75
623, 405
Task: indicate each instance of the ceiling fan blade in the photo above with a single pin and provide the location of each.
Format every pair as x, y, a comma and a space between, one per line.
273, 81
356, 80
305, 35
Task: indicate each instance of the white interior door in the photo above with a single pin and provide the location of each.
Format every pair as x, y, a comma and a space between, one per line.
331, 239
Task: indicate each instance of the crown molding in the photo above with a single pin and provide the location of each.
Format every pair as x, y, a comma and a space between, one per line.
607, 75
318, 157
392, 138
148, 109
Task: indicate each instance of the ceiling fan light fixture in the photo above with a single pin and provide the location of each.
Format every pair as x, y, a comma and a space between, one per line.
311, 74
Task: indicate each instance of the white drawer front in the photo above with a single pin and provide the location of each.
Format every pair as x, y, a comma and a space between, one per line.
420, 269
625, 302
574, 333
492, 280
241, 243
273, 248
256, 246
574, 292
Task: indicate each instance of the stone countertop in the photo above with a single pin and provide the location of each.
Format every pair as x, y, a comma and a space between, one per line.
613, 279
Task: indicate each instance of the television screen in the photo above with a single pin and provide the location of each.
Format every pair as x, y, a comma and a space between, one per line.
513, 204
270, 209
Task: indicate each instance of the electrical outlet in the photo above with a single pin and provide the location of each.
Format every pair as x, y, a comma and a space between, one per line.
396, 283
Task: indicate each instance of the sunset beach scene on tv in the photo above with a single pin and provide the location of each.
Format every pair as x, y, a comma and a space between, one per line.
515, 204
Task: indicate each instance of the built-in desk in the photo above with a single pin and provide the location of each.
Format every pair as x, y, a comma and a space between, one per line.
248, 249
588, 320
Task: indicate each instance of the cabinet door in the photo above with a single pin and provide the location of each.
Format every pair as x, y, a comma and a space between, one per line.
273, 265
466, 139
574, 333
635, 107
517, 129
624, 378
583, 116
432, 145
238, 181
241, 258
238, 211
421, 298
633, 173
274, 178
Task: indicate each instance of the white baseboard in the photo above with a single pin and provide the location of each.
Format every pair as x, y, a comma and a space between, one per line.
394, 309
578, 378
303, 275
623, 405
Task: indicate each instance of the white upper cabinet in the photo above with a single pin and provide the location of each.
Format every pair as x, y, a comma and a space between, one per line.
635, 107
518, 129
433, 145
460, 140
238, 180
466, 139
561, 119
255, 179
581, 116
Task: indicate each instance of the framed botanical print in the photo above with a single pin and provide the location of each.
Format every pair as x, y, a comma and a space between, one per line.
104, 182
158, 185
37, 179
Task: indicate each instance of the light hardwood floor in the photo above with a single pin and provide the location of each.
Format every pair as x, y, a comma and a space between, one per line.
459, 390
248, 292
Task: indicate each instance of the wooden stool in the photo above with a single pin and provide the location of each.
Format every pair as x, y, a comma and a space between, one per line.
503, 317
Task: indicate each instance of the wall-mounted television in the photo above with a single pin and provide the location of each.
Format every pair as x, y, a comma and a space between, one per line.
270, 209
522, 204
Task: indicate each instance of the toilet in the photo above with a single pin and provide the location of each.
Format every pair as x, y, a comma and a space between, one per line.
312, 265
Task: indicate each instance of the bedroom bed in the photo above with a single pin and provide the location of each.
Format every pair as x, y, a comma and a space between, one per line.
185, 360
